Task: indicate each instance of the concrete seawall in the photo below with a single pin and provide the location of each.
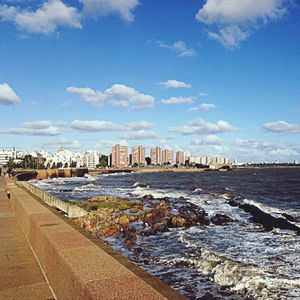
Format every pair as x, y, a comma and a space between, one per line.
78, 266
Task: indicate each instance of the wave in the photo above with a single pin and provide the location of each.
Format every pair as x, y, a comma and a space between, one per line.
197, 190
242, 279
156, 193
139, 184
86, 187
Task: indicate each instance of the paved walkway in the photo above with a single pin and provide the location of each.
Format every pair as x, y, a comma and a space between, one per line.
20, 274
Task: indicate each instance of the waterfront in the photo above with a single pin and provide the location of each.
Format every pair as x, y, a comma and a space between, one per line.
237, 260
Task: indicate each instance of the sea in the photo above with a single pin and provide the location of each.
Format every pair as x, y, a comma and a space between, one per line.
240, 260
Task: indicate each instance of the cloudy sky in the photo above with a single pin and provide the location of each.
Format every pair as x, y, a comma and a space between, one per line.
215, 77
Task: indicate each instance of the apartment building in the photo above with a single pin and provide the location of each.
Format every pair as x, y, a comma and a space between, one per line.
156, 156
119, 156
138, 156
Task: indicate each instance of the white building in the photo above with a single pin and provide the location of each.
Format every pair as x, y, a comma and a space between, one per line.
6, 154
64, 157
90, 159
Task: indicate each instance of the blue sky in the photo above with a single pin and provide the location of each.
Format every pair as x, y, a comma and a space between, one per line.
212, 77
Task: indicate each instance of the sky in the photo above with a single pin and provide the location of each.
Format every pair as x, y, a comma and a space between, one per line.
214, 77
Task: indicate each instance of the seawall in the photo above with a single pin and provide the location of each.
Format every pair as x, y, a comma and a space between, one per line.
76, 265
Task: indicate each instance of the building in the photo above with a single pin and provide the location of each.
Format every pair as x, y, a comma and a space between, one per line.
156, 156
64, 158
180, 158
138, 156
6, 155
119, 156
90, 159
167, 156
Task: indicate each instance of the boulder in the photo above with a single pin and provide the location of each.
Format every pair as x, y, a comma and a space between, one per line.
219, 219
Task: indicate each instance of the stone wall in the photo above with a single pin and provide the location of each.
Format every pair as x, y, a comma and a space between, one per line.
75, 265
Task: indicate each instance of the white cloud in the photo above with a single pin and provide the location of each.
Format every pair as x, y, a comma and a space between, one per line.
281, 127
117, 95
38, 128
204, 106
253, 150
208, 140
45, 19
43, 124
139, 125
172, 83
202, 94
235, 20
8, 95
179, 47
100, 8
139, 135
202, 127
96, 126
49, 131
207, 106
68, 144
178, 100
229, 36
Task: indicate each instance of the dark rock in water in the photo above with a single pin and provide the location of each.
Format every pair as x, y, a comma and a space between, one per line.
219, 219
289, 217
193, 214
268, 221
233, 203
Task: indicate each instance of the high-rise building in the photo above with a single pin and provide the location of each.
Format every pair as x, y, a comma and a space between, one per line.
167, 156
156, 156
119, 156
90, 159
180, 158
138, 156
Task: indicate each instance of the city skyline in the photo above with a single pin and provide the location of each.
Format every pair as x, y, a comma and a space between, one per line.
200, 77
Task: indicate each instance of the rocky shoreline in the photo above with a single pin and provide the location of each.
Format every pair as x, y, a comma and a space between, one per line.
121, 217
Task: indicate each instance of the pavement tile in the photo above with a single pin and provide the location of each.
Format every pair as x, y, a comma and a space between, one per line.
29, 292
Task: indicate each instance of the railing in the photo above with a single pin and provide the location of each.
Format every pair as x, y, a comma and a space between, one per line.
72, 210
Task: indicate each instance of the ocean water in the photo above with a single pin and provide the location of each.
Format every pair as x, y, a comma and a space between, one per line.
240, 260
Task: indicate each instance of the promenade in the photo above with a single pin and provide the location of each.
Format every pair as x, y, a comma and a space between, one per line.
20, 274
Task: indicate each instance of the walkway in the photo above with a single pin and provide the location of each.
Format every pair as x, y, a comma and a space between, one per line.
20, 274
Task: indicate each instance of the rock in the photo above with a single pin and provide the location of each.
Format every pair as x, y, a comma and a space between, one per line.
124, 220
110, 231
219, 219
147, 197
101, 198
179, 221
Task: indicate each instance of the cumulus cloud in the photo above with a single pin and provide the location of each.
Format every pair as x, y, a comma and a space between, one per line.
178, 100
172, 83
208, 140
8, 95
202, 127
45, 19
234, 21
253, 150
100, 125
179, 47
139, 135
117, 95
139, 125
204, 106
43, 124
38, 128
49, 131
202, 94
281, 127
100, 8
96, 126
68, 144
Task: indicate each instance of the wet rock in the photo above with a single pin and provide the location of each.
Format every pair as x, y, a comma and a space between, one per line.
179, 221
267, 220
147, 197
112, 230
220, 219
289, 217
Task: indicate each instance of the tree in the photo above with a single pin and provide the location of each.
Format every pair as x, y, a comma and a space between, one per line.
103, 161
